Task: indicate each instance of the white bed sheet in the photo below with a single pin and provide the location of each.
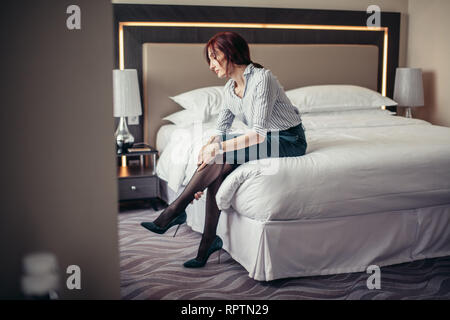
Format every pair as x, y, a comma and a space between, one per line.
163, 136
354, 165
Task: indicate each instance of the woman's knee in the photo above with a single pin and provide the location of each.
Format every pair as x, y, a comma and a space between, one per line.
227, 168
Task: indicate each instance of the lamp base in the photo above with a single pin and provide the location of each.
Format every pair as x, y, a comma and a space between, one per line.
122, 148
408, 113
124, 139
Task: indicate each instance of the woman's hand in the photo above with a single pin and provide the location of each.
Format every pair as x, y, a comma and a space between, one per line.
211, 140
197, 195
200, 154
208, 154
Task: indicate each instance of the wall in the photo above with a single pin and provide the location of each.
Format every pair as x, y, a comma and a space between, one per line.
58, 178
429, 49
357, 5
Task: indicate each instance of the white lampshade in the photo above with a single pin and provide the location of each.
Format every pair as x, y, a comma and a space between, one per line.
127, 100
408, 89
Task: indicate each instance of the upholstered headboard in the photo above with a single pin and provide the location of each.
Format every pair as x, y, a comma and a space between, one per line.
173, 68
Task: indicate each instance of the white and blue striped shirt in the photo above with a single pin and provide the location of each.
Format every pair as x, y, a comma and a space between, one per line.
263, 107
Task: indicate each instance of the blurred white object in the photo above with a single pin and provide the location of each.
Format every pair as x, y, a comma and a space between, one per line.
40, 279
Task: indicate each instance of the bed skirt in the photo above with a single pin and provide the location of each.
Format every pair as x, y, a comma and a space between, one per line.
271, 250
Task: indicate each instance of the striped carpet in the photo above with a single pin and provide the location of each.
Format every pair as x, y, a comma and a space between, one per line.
151, 268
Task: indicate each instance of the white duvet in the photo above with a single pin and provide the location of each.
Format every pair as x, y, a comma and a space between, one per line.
355, 164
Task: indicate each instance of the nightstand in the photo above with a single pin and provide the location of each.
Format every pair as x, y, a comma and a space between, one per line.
138, 181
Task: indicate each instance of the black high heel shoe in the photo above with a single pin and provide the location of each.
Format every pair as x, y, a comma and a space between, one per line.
215, 245
179, 220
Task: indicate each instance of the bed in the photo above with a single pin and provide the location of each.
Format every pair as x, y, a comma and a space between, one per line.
371, 189
362, 195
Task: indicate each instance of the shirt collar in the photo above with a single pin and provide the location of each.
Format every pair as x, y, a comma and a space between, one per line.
249, 69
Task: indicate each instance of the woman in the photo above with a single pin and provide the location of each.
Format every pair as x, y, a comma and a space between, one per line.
255, 95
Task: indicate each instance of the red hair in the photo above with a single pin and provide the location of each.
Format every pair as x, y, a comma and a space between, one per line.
233, 46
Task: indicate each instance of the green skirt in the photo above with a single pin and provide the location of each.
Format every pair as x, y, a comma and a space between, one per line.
285, 143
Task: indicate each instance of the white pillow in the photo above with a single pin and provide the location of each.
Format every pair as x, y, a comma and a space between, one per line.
186, 117
206, 100
336, 98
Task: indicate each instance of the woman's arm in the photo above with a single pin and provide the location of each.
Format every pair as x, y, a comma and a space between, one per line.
237, 143
211, 150
263, 103
224, 120
261, 111
212, 139
243, 141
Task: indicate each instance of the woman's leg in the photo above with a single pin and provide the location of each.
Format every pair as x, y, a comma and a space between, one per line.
212, 213
199, 181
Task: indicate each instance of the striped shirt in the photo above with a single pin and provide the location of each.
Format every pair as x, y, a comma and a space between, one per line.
263, 107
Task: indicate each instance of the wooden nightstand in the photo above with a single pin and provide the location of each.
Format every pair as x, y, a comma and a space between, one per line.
137, 181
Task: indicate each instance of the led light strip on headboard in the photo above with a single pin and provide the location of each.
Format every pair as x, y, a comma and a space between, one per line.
256, 26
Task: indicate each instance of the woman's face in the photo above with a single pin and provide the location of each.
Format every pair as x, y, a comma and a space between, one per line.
217, 62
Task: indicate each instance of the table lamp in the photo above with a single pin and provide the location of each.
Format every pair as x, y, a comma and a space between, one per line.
408, 89
127, 103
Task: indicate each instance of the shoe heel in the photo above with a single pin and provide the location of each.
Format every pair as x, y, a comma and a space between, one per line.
215, 246
176, 230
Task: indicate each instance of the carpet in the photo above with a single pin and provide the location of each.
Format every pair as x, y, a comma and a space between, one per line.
151, 267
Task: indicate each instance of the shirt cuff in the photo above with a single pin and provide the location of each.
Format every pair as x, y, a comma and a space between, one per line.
260, 130
219, 132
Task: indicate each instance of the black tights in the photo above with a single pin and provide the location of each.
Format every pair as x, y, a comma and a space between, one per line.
210, 177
